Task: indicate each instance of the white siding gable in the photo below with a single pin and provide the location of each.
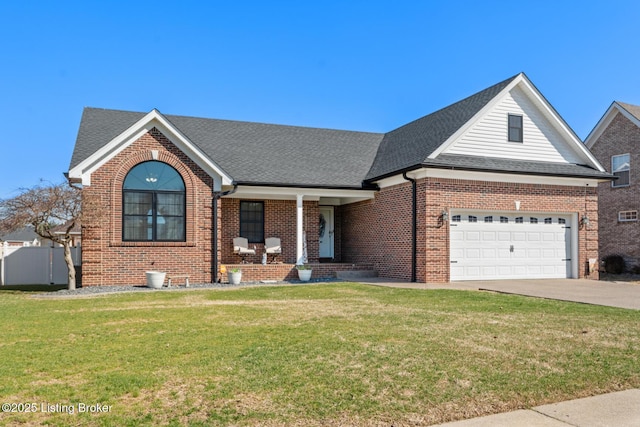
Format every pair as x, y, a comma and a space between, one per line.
487, 137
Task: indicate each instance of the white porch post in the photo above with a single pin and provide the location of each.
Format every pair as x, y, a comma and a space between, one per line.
299, 231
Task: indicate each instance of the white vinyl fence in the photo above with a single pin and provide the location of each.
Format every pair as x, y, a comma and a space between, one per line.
35, 265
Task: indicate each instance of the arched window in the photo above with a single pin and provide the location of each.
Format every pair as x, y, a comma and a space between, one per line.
153, 204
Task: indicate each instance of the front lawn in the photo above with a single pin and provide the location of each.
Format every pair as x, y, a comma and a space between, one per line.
327, 354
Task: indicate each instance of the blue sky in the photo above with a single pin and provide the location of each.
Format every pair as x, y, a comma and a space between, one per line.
358, 65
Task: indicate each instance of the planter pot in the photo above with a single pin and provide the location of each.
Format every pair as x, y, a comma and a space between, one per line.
155, 279
235, 278
304, 275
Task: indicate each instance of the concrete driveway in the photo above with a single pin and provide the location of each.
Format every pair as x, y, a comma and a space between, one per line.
612, 294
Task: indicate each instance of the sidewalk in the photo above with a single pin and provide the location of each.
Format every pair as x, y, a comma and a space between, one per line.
618, 409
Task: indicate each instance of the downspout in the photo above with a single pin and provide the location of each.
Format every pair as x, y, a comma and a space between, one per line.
414, 225
214, 254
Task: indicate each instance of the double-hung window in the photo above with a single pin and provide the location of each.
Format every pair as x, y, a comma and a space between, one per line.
252, 221
515, 128
620, 166
153, 204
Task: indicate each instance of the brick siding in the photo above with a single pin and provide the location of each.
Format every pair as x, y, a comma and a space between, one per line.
379, 231
107, 260
619, 238
375, 233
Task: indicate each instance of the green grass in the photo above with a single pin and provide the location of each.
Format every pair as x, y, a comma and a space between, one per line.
329, 354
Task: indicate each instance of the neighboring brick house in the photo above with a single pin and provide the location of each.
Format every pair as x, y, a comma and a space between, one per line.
615, 142
495, 186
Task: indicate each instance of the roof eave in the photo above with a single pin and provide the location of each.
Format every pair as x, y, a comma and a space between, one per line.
601, 177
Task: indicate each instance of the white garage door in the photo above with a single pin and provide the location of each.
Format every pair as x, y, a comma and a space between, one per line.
489, 246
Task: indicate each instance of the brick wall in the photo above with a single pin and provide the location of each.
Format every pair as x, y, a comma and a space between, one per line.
280, 272
280, 220
621, 238
107, 260
379, 231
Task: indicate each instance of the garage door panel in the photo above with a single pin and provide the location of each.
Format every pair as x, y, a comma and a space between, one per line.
505, 249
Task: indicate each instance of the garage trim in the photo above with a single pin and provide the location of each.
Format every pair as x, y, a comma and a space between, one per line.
572, 238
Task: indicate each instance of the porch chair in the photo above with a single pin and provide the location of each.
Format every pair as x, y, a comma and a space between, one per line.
241, 248
272, 247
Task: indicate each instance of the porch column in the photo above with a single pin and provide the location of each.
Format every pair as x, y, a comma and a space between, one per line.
299, 231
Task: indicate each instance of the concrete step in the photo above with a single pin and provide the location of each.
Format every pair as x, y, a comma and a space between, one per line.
356, 274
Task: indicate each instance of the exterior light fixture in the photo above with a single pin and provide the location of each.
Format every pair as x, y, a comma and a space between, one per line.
444, 215
584, 220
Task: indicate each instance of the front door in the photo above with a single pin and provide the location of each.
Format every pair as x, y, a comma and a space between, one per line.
325, 232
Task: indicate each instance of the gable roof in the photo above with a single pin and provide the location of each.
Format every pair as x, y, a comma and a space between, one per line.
26, 234
630, 111
249, 153
410, 145
422, 143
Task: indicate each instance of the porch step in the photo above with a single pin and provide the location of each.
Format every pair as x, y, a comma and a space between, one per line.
356, 274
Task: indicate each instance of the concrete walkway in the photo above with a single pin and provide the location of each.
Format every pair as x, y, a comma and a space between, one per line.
619, 409
612, 294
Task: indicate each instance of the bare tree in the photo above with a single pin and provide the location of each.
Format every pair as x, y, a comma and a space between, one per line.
46, 207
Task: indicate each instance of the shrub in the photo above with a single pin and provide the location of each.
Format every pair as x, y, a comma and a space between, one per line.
614, 264
635, 269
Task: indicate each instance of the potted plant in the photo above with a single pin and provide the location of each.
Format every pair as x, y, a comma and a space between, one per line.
235, 276
304, 272
155, 279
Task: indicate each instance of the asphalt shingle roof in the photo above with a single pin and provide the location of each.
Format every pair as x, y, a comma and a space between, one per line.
26, 234
491, 164
269, 154
253, 152
410, 145
632, 109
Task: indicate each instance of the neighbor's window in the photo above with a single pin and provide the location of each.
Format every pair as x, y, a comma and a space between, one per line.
624, 216
153, 204
515, 128
252, 221
620, 168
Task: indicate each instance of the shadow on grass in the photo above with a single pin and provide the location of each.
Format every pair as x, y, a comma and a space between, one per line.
33, 288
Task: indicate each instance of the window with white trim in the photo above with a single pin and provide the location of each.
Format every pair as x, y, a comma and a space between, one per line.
626, 216
515, 128
620, 166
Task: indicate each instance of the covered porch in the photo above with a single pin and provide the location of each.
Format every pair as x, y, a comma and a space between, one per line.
306, 221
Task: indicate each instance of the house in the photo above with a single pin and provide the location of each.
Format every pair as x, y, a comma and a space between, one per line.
23, 237
614, 142
495, 186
